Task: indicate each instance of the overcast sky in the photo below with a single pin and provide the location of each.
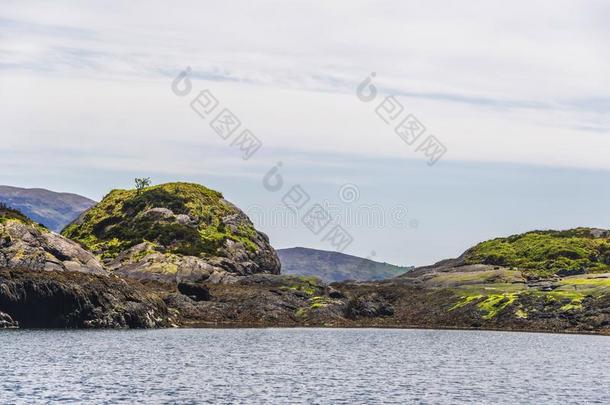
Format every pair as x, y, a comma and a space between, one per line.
518, 92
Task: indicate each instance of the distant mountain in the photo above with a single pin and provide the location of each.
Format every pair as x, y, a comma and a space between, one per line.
333, 266
53, 210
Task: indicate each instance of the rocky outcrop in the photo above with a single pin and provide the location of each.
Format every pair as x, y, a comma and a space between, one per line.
142, 262
261, 300
77, 300
39, 299
201, 263
174, 232
369, 306
30, 246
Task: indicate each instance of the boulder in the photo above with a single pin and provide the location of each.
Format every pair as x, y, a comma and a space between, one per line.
33, 247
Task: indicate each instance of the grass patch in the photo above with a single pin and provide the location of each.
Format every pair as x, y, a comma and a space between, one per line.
123, 219
319, 302
475, 277
308, 285
587, 282
544, 253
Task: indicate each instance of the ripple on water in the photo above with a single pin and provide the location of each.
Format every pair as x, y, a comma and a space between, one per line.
302, 366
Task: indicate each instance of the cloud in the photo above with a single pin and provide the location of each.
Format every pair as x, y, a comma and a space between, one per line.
518, 82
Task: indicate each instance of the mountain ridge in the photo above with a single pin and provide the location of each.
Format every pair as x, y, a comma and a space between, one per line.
52, 209
335, 266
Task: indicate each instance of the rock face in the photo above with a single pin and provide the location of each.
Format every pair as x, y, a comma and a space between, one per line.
24, 244
174, 232
38, 299
369, 306
53, 210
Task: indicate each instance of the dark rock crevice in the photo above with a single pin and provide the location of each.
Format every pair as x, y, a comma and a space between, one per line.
76, 300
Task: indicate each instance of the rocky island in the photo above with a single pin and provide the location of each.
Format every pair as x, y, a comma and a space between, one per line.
180, 255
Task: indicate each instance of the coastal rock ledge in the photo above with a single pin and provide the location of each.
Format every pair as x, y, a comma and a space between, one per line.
43, 299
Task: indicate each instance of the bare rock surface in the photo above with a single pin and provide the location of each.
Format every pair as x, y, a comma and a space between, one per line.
26, 245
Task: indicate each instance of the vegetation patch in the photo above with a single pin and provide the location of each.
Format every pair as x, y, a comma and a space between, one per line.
495, 303
309, 285
586, 282
521, 314
544, 253
475, 277
319, 302
177, 218
491, 304
10, 214
465, 301
571, 307
301, 313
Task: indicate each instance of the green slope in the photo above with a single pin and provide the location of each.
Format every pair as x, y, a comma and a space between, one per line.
545, 253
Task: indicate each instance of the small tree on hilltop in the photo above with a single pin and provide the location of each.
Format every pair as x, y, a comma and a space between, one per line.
142, 183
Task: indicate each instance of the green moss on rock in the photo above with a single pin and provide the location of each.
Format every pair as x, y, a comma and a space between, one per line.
496, 303
544, 253
177, 218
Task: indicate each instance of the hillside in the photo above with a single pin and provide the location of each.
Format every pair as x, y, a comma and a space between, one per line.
334, 266
53, 210
547, 253
539, 277
171, 232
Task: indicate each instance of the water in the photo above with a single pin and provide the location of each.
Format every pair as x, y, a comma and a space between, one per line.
302, 366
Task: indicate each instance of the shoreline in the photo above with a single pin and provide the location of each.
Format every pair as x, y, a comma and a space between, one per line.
294, 327
400, 327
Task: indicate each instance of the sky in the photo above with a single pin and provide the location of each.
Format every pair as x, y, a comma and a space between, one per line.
518, 94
